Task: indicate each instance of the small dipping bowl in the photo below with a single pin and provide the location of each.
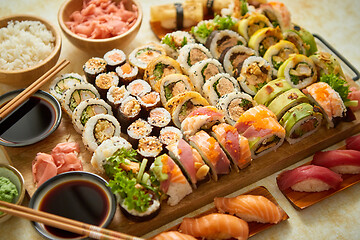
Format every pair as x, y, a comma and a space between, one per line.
33, 121
17, 179
77, 195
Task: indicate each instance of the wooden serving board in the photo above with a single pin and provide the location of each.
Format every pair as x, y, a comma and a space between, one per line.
262, 167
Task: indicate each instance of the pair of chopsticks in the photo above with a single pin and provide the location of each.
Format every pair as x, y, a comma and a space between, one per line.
30, 90
63, 223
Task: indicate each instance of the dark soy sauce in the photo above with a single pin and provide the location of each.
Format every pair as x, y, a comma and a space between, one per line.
32, 119
79, 200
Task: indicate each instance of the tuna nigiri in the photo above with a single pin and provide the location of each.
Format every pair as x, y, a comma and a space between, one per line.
250, 208
353, 142
173, 235
215, 226
308, 178
339, 161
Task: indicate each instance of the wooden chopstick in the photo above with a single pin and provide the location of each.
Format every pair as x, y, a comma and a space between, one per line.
30, 90
63, 223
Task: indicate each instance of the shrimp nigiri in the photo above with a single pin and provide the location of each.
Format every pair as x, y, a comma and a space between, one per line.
173, 235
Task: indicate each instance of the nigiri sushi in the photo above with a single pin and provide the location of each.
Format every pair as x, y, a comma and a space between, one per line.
173, 235
215, 226
339, 161
353, 142
308, 178
250, 208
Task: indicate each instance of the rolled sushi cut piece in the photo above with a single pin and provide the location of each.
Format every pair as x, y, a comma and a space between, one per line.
128, 111
170, 135
308, 178
104, 81
173, 41
263, 131
201, 71
98, 129
62, 83
342, 161
211, 152
277, 13
86, 109
217, 86
183, 104
301, 121
138, 87
327, 64
149, 147
174, 84
329, 101
191, 54
264, 38
149, 101
287, 100
303, 40
114, 58
234, 104
159, 118
248, 25
159, 68
115, 95
137, 130
189, 160
93, 67
271, 90
255, 73
219, 40
278, 53
127, 73
201, 118
76, 94
234, 145
233, 58
173, 183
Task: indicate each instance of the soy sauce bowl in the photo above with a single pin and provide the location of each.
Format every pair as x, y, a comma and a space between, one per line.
33, 121
77, 195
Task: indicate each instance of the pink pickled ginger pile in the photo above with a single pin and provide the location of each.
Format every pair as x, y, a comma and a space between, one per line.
101, 19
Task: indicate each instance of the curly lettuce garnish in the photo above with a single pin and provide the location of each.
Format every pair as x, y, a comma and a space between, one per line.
222, 23
204, 29
121, 156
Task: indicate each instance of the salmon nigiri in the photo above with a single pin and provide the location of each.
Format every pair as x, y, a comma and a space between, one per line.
251, 208
215, 226
173, 235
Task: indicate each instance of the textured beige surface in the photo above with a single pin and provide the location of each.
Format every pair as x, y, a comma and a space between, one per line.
336, 21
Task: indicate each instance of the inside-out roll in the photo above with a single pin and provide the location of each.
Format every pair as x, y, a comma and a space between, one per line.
263, 38
173, 41
172, 85
248, 25
191, 54
277, 13
327, 64
302, 39
143, 55
271, 90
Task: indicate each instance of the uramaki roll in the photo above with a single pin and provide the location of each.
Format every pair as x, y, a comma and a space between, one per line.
173, 41
248, 25
277, 13
191, 54
327, 64
303, 40
264, 38
271, 90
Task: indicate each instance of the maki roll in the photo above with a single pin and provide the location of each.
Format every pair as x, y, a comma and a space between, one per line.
327, 64
329, 101
62, 83
302, 39
255, 73
183, 104
149, 147
263, 131
76, 94
143, 55
191, 54
278, 53
128, 111
219, 85
127, 73
138, 129
287, 100
301, 121
172, 181
219, 40
114, 58
189, 160
159, 118
298, 70
105, 150
264, 38
104, 81
159, 68
234, 104
172, 42
86, 109
211, 152
172, 85
138, 87
115, 95
277, 13
149, 101
170, 135
233, 58
203, 70
93, 67
234, 145
98, 129
271, 90
250, 23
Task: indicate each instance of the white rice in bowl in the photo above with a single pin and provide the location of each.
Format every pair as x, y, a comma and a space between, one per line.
24, 44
